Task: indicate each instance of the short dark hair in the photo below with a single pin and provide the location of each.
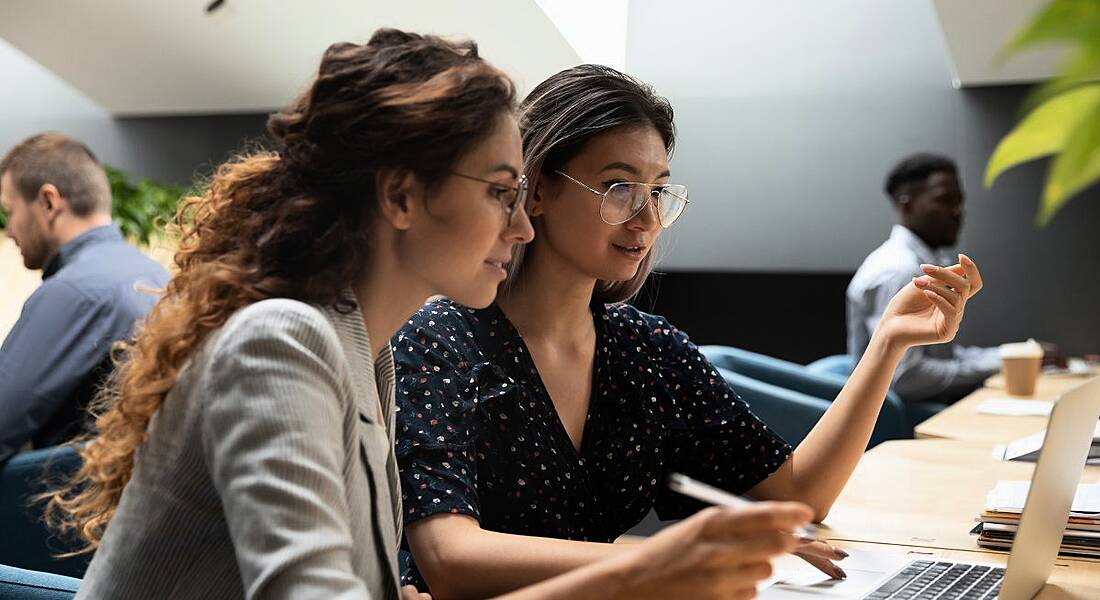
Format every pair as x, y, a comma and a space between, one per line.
69, 165
915, 169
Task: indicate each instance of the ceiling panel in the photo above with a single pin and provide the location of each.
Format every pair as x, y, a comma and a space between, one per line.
977, 30
141, 57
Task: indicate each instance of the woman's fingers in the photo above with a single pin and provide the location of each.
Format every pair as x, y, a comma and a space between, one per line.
756, 548
820, 555
762, 517
953, 296
824, 565
949, 276
972, 274
948, 309
965, 271
725, 581
822, 549
751, 573
409, 592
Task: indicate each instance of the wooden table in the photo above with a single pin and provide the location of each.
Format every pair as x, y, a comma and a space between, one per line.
962, 421
922, 493
921, 496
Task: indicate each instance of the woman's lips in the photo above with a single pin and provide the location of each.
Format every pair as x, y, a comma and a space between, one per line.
636, 252
498, 266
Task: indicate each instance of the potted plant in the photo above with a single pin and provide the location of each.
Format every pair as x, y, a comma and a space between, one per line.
1063, 115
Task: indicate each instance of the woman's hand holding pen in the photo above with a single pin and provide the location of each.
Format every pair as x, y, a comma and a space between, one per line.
717, 553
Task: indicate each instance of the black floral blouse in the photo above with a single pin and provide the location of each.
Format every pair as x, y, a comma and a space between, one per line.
477, 433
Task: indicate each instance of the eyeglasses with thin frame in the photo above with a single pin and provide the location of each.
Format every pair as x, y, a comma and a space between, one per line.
510, 198
625, 199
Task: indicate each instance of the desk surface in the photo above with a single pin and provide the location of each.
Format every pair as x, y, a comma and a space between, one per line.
921, 496
922, 493
1070, 578
961, 421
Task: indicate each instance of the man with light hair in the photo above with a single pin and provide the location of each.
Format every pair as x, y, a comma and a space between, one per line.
58, 203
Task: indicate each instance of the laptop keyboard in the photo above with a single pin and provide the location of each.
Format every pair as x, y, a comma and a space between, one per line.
930, 580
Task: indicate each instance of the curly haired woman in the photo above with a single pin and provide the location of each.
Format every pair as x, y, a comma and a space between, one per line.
245, 446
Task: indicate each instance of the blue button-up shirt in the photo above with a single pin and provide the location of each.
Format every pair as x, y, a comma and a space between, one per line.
58, 351
943, 372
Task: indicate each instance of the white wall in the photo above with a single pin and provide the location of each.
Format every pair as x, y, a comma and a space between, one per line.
169, 149
596, 30
790, 113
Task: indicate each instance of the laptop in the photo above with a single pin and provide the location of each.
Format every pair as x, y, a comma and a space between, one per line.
895, 575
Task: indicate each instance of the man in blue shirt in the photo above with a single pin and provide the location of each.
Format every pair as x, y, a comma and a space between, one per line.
94, 287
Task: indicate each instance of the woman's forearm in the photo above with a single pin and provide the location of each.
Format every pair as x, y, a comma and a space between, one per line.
603, 580
821, 465
464, 561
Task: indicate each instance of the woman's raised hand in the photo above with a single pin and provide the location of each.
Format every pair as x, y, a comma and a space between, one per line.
929, 309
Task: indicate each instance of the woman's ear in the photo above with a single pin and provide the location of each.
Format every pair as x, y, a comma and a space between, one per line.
398, 192
536, 197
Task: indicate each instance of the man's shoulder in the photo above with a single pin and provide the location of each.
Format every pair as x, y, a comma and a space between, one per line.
886, 264
103, 268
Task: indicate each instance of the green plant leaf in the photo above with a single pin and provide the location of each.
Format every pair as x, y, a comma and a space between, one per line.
1082, 68
1060, 21
141, 207
1044, 131
1076, 167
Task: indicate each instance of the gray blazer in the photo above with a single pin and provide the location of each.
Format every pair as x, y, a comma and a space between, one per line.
268, 472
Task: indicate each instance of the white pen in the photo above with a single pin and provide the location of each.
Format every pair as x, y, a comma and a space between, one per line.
687, 486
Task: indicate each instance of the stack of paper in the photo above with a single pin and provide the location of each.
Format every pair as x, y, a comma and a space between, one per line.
1012, 407
1004, 504
1027, 449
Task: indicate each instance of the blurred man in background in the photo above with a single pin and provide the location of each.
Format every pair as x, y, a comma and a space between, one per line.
928, 199
58, 203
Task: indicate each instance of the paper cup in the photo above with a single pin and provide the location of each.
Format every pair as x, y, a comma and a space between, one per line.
1021, 362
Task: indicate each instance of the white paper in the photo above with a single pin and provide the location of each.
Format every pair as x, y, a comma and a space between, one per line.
1075, 367
1009, 497
1071, 530
1016, 408
1027, 448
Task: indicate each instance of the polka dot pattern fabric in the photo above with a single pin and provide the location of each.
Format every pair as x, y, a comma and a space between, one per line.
478, 435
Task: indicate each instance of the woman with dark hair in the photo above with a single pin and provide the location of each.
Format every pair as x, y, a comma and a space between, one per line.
245, 446
534, 431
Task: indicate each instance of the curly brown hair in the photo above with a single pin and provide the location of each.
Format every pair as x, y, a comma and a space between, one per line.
291, 223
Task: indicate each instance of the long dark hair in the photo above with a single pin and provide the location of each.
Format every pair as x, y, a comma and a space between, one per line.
568, 110
292, 223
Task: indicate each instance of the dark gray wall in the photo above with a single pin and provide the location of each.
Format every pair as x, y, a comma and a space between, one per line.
1042, 282
790, 113
167, 149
